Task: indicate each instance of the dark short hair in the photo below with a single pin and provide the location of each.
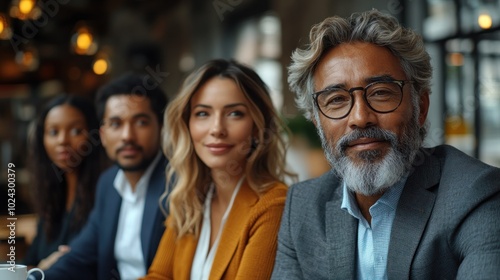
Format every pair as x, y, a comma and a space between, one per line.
133, 84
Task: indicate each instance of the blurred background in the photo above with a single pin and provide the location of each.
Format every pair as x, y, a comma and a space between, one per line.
52, 46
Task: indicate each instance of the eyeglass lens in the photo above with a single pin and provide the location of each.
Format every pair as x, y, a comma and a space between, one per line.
381, 97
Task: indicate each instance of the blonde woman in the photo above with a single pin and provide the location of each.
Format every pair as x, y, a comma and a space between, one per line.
223, 138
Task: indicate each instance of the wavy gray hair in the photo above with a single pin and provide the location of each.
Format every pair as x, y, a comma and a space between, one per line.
371, 27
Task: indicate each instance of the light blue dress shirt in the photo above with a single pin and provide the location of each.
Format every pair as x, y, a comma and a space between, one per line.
373, 240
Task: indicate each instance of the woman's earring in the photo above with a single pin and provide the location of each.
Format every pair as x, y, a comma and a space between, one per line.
255, 142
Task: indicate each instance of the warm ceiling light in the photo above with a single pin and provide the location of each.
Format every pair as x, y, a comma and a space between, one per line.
484, 20
28, 59
100, 66
26, 6
83, 42
25, 9
5, 31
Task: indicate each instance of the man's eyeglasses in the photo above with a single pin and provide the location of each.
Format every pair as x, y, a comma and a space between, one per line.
381, 97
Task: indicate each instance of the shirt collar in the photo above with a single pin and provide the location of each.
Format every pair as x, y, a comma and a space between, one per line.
124, 188
389, 198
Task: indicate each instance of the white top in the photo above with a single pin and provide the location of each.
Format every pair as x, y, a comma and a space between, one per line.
203, 258
128, 247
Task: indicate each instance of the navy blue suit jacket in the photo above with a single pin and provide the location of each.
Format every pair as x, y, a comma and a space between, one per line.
92, 251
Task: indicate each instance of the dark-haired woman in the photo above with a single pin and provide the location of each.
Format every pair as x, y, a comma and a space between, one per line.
66, 160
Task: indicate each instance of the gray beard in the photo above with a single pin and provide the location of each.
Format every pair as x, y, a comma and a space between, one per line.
374, 175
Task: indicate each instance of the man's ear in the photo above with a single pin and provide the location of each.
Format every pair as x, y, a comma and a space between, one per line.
424, 108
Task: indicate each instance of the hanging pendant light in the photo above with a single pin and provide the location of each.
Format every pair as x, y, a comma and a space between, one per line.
28, 58
101, 64
83, 40
25, 9
5, 30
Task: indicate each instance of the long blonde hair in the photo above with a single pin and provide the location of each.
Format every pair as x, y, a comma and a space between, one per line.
188, 175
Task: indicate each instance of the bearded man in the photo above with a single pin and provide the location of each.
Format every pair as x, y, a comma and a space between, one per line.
389, 209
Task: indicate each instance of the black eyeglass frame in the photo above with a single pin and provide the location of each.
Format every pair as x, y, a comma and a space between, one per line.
400, 83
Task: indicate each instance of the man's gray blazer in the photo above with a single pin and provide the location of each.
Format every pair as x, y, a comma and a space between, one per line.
447, 224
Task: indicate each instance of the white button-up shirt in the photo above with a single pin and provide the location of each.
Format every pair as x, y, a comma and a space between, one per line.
204, 258
128, 246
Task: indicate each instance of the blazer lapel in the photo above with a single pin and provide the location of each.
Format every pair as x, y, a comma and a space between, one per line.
413, 211
229, 239
185, 249
341, 232
156, 187
109, 227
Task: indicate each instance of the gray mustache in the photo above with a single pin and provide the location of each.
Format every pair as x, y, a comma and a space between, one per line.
371, 132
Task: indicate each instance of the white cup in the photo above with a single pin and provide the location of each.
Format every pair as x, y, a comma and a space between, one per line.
17, 272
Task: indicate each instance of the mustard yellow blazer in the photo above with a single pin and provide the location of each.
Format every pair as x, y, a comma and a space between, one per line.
248, 242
